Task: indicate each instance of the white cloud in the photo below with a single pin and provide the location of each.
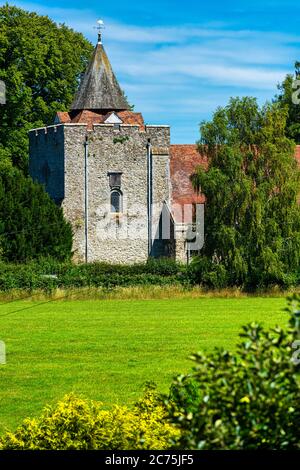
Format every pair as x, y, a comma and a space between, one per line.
173, 64
239, 58
184, 72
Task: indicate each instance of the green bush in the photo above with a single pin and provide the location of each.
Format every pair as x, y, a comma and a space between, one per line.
203, 271
31, 224
215, 274
35, 275
244, 400
75, 423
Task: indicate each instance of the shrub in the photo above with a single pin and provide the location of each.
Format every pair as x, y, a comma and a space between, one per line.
33, 275
203, 271
31, 225
214, 274
164, 267
245, 400
78, 424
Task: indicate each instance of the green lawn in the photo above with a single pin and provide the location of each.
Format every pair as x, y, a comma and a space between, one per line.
106, 350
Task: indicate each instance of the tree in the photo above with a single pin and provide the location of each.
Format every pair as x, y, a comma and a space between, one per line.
285, 99
252, 223
31, 225
40, 63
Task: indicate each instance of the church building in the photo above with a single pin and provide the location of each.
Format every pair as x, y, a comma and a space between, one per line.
124, 188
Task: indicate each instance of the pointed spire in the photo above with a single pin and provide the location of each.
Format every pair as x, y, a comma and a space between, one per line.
99, 88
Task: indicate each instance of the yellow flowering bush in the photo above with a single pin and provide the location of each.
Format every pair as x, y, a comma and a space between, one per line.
75, 423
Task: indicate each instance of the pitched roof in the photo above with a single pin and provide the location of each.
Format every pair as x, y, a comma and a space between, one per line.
99, 88
129, 117
92, 117
297, 154
62, 117
184, 159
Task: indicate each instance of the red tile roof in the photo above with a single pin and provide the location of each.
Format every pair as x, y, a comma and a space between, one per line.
297, 154
128, 117
184, 159
63, 117
93, 117
87, 117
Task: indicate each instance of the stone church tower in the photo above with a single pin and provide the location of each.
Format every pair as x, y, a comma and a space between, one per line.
108, 170
126, 191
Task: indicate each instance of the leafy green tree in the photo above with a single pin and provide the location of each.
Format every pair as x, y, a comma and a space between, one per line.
31, 225
40, 63
285, 99
252, 221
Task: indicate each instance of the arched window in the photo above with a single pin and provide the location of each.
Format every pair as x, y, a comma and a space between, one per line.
116, 201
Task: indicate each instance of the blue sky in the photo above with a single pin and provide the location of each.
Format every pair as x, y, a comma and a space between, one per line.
178, 60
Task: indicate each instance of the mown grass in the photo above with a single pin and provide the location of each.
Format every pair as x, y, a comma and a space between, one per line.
107, 349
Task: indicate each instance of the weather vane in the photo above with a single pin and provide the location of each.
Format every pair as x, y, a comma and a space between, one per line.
99, 28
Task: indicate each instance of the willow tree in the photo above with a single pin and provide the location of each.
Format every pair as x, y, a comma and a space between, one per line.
252, 222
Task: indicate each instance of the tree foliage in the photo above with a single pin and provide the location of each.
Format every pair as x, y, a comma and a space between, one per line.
285, 99
252, 221
31, 225
40, 63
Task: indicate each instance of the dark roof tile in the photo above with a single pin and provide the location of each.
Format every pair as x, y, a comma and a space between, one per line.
99, 88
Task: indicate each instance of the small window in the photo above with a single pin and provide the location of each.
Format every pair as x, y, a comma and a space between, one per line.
115, 180
116, 201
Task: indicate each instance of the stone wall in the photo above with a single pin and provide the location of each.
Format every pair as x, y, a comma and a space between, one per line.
180, 243
119, 238
163, 230
73, 204
115, 238
46, 163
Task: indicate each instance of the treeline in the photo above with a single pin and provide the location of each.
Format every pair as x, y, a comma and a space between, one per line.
40, 63
252, 222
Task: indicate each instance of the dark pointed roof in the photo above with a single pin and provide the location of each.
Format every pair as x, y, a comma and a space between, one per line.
99, 88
